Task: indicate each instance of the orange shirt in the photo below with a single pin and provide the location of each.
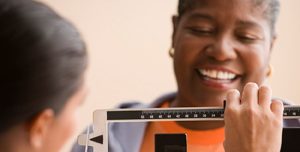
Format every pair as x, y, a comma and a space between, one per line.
197, 141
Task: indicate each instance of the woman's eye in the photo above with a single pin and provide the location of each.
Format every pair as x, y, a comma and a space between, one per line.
247, 39
202, 31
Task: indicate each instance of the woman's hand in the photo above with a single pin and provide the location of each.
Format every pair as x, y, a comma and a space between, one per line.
252, 122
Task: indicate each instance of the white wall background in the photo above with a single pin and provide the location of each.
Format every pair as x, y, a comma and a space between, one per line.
128, 42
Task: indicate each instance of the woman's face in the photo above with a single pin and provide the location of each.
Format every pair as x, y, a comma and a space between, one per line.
219, 45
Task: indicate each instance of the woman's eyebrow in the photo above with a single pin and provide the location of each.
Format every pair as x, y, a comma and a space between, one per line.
249, 24
196, 16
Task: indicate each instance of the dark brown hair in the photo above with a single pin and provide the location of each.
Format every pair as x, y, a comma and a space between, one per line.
42, 61
271, 12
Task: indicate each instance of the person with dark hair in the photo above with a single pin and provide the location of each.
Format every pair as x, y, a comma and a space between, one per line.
221, 49
42, 64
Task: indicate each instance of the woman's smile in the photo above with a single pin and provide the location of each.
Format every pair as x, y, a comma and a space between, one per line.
218, 78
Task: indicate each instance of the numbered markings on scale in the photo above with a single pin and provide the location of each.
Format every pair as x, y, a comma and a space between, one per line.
186, 115
294, 113
291, 112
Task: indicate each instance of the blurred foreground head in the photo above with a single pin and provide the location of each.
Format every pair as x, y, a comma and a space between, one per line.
42, 64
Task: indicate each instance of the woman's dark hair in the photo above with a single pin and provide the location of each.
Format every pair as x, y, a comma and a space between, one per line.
42, 61
271, 12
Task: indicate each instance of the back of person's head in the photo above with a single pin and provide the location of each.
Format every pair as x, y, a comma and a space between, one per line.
42, 62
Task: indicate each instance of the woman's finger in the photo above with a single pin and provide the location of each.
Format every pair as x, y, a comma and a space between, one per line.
277, 108
250, 95
232, 98
264, 96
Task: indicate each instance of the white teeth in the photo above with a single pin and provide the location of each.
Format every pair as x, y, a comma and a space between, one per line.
222, 75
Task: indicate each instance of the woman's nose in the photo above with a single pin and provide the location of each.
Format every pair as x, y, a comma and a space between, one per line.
222, 49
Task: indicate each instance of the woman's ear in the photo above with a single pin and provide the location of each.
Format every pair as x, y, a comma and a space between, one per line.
175, 20
39, 127
270, 71
270, 68
273, 40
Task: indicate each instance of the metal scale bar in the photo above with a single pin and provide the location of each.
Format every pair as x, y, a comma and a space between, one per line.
98, 139
181, 114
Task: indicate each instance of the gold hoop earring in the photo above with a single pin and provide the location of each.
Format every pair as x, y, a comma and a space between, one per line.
271, 70
171, 52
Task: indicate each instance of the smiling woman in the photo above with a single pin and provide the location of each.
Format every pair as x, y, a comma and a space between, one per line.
217, 46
